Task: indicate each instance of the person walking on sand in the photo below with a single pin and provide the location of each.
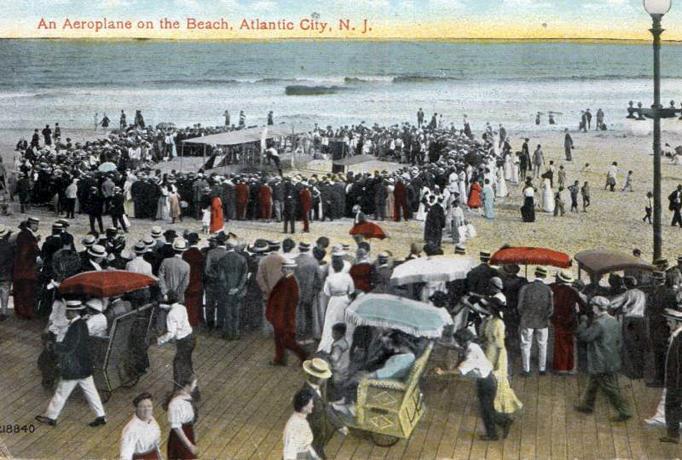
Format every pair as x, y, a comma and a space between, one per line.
568, 145
648, 207
585, 192
538, 161
628, 183
611, 176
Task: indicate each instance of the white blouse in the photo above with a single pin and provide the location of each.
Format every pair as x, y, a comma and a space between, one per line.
180, 411
139, 437
338, 284
298, 437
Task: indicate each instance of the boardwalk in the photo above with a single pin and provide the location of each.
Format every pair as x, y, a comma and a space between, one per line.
246, 403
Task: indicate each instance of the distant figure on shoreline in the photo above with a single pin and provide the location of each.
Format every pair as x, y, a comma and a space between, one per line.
226, 114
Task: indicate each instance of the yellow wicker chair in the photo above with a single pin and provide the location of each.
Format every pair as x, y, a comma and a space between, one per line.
390, 409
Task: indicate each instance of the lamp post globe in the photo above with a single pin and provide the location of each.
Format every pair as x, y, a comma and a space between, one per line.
657, 7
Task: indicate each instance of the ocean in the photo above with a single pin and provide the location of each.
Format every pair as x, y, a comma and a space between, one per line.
188, 82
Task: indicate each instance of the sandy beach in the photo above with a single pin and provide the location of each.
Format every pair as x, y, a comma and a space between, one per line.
614, 220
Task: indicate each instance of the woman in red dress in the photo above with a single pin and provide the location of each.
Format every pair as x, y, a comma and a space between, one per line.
475, 196
182, 415
217, 221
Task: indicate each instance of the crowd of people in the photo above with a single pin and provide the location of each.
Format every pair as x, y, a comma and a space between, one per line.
298, 291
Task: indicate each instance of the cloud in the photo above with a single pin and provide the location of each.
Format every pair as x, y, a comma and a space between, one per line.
263, 5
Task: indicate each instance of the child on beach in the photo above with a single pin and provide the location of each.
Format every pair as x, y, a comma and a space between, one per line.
575, 190
559, 203
628, 183
648, 207
562, 176
585, 190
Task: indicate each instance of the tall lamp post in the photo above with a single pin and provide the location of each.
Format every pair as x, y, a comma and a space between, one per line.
657, 8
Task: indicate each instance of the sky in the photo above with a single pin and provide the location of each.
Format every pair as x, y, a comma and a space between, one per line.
388, 19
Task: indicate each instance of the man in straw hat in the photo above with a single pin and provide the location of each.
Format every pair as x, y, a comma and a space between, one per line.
673, 377
281, 313
536, 305
75, 369
604, 341
231, 271
478, 279
174, 272
323, 419
25, 271
565, 320
138, 264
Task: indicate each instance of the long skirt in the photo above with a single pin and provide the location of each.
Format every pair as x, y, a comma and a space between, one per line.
176, 449
25, 298
336, 311
528, 209
193, 302
319, 312
563, 360
150, 455
635, 344
182, 363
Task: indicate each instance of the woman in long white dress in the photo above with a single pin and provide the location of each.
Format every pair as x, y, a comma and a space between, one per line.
390, 200
462, 185
501, 184
508, 166
338, 287
163, 206
424, 197
515, 169
128, 203
547, 196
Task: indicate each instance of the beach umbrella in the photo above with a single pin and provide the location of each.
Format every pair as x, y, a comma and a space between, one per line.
389, 311
107, 166
432, 268
105, 283
369, 230
531, 256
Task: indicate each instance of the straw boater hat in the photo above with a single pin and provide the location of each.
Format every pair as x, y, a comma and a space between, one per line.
303, 246
273, 245
485, 256
460, 250
338, 252
95, 304
157, 232
564, 277
97, 250
33, 220
673, 314
317, 367
260, 246
658, 275
289, 263
541, 272
89, 240
180, 245
74, 305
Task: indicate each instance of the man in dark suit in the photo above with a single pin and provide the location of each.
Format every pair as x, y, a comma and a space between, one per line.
212, 257
673, 377
323, 419
94, 207
536, 306
230, 273
675, 200
289, 212
478, 279
75, 369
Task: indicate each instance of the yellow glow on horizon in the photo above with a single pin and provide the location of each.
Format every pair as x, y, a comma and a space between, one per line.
381, 30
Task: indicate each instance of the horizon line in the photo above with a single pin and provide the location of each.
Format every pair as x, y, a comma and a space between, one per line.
585, 40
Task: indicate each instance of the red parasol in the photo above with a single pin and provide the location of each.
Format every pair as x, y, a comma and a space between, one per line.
105, 283
368, 230
531, 256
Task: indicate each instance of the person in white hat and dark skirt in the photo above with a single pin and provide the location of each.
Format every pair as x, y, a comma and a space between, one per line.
75, 369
